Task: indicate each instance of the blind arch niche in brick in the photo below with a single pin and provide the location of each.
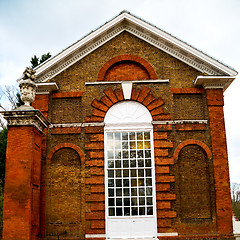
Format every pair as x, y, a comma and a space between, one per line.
63, 192
194, 183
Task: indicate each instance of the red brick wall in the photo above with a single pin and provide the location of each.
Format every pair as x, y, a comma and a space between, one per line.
22, 184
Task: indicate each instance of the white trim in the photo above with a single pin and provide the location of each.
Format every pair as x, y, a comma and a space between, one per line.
147, 32
119, 126
209, 82
46, 88
127, 90
167, 234
95, 235
134, 81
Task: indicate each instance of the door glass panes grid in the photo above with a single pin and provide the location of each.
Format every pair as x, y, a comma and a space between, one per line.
129, 174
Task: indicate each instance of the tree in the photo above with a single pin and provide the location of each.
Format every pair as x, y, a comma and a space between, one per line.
35, 60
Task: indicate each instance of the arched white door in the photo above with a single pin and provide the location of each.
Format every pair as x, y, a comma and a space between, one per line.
129, 172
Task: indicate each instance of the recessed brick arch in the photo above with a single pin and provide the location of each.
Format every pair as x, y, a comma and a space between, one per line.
66, 145
138, 66
192, 142
143, 96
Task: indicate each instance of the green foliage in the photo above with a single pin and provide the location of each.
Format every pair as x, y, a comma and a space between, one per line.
19, 101
1, 210
3, 147
35, 60
236, 208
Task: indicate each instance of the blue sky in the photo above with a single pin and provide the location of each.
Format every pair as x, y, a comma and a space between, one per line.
30, 28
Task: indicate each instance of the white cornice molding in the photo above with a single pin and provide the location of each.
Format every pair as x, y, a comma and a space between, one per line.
209, 82
46, 88
141, 29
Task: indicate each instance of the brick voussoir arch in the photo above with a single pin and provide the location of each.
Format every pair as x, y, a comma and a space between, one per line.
127, 57
192, 142
143, 96
66, 145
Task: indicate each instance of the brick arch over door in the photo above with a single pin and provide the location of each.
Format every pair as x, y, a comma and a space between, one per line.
126, 67
143, 96
193, 180
95, 156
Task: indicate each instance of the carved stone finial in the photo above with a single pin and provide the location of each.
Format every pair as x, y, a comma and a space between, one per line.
29, 73
28, 88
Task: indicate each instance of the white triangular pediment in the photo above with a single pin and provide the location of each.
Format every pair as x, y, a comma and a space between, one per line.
141, 29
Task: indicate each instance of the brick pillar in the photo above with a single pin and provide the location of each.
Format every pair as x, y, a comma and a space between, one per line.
220, 161
23, 174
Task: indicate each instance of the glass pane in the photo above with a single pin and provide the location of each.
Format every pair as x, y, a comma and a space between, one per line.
133, 173
118, 173
149, 181
132, 154
140, 173
149, 201
109, 136
111, 202
125, 154
126, 201
149, 191
139, 136
111, 212
140, 153
141, 182
125, 172
127, 211
110, 154
141, 192
132, 135
126, 182
119, 202
117, 136
110, 192
119, 182
124, 145
134, 211
125, 163
147, 145
118, 154
133, 182
118, 164
132, 145
125, 136
111, 182
134, 201
150, 211
110, 163
148, 163
134, 192
132, 163
141, 201
126, 192
146, 135
147, 153
142, 211
140, 163
118, 211
139, 144
148, 172
119, 192
110, 174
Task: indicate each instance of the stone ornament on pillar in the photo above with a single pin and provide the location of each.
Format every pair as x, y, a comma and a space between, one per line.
27, 88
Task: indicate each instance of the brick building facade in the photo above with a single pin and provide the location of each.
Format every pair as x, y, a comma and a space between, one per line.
134, 144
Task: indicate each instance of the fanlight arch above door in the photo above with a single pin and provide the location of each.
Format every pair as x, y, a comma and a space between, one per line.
128, 114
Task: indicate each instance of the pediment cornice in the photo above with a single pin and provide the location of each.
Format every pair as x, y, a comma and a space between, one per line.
141, 29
